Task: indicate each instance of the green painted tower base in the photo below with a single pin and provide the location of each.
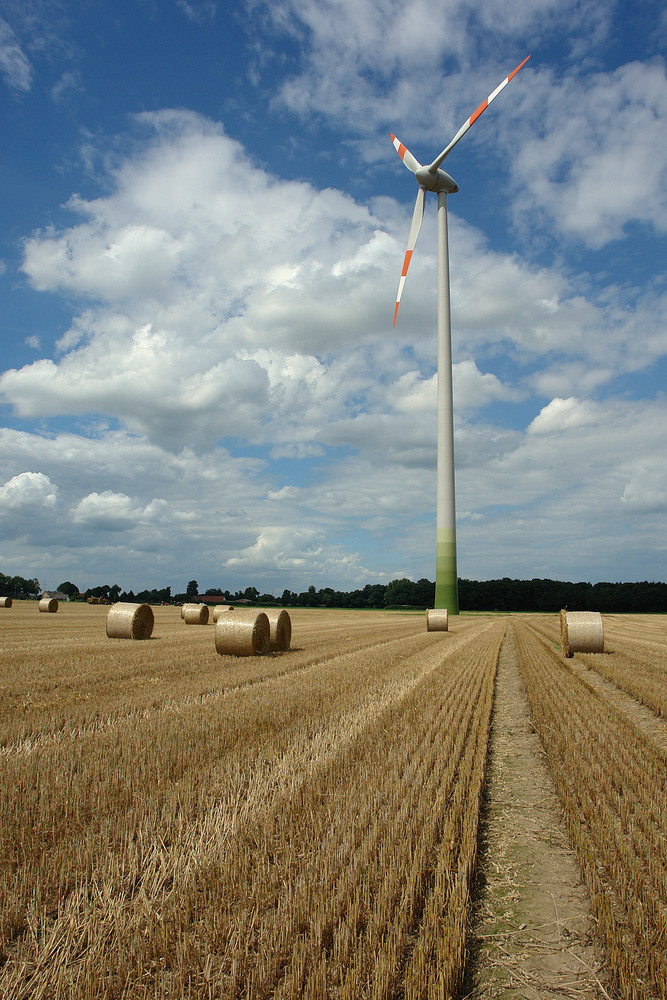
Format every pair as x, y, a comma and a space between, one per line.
446, 582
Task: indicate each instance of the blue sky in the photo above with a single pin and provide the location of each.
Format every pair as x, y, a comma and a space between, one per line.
203, 222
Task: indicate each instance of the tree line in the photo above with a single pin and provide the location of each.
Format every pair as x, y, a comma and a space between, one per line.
495, 595
505, 595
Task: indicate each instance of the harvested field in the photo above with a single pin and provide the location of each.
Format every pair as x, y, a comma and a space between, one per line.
532, 928
611, 776
179, 823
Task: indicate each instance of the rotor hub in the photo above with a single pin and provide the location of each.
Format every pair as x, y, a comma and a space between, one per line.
437, 181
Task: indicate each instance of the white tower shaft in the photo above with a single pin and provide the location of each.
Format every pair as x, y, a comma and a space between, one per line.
446, 582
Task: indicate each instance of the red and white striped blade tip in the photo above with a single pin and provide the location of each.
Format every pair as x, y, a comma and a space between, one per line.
411, 162
417, 218
475, 115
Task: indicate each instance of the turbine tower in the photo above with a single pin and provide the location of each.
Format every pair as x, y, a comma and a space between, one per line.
432, 178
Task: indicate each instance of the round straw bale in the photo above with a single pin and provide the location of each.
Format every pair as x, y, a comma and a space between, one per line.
243, 634
184, 606
5, 602
220, 610
195, 614
49, 604
437, 620
280, 625
130, 621
581, 632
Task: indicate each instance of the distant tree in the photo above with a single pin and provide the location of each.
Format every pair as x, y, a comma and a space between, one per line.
68, 588
287, 597
19, 587
114, 593
192, 588
374, 595
354, 599
423, 593
154, 596
327, 597
213, 592
251, 593
399, 592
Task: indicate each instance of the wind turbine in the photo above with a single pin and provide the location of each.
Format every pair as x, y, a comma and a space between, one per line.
432, 178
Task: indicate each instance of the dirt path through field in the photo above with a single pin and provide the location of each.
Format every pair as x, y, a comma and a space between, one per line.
531, 935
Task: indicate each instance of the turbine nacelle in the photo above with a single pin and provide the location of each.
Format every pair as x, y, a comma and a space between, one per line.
436, 180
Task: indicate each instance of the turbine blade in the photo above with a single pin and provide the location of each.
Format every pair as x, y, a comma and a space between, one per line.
417, 217
405, 154
473, 118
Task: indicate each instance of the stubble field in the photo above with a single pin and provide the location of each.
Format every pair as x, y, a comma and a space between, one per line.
175, 823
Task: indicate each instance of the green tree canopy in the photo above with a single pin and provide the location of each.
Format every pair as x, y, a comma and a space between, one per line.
19, 587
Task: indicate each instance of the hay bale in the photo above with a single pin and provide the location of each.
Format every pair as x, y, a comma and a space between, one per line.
220, 610
244, 633
5, 602
195, 614
581, 632
49, 604
437, 620
130, 621
188, 605
280, 625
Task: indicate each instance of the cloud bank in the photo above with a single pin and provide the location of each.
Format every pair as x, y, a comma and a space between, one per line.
229, 400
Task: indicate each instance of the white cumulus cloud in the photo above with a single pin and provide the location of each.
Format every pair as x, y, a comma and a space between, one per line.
109, 511
599, 159
28, 491
14, 64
